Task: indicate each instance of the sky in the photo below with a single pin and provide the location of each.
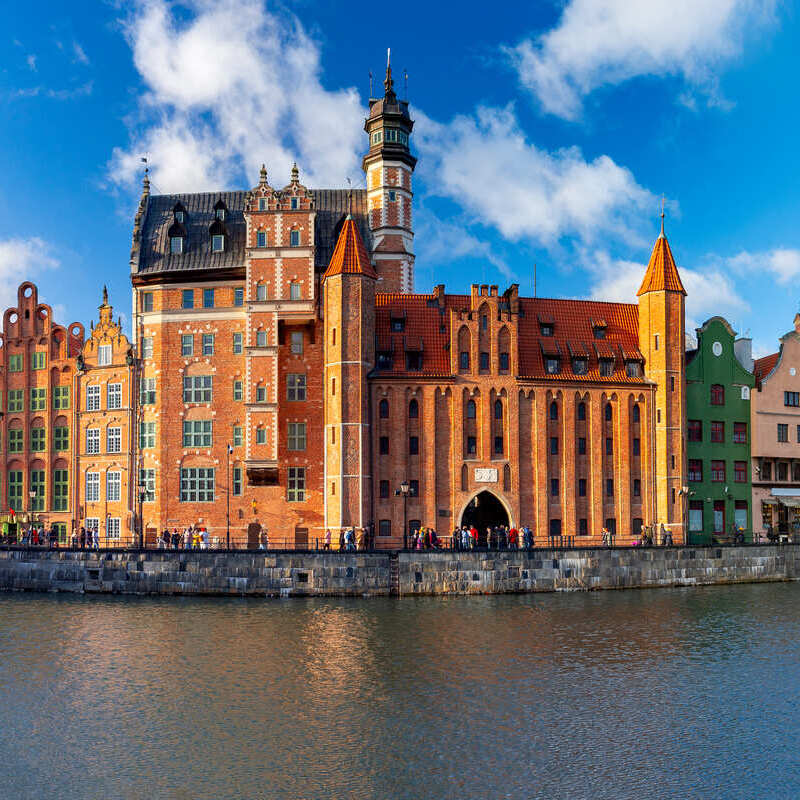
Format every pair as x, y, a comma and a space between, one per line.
547, 134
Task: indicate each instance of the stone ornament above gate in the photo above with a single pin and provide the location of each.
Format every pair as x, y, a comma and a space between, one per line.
485, 475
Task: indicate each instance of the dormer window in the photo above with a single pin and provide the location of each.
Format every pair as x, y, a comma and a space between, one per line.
606, 367
177, 237
546, 329
633, 369
414, 361
217, 243
220, 210
176, 245
580, 366
294, 238
599, 327
384, 359
179, 213
398, 325
599, 333
552, 365
295, 203
180, 216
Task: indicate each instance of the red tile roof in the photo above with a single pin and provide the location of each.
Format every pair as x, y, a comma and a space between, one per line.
662, 274
350, 255
427, 322
763, 366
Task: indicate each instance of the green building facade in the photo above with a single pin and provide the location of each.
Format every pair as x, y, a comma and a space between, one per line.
718, 434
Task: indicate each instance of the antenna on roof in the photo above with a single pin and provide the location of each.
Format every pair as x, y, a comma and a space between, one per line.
405, 79
370, 84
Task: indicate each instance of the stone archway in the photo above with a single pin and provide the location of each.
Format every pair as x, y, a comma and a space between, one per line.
485, 510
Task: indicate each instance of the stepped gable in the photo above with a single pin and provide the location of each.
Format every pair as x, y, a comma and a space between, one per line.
350, 256
662, 273
427, 326
151, 254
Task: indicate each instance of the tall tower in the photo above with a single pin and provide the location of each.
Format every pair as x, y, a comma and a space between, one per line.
662, 301
349, 307
389, 166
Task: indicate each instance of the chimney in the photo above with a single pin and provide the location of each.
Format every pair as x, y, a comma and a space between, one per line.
743, 350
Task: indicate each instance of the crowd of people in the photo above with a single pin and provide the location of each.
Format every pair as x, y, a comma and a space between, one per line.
191, 538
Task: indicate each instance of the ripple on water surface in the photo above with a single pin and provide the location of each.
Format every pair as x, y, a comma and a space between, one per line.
667, 693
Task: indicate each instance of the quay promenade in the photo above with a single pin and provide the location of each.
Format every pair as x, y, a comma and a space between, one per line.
287, 573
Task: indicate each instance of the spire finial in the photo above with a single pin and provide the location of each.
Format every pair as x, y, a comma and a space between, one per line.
295, 173
262, 175
105, 295
146, 179
388, 84
663, 202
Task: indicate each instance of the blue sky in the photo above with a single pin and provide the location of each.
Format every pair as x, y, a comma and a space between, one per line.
546, 133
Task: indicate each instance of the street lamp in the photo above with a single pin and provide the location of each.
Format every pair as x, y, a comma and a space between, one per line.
32, 495
404, 491
142, 492
229, 450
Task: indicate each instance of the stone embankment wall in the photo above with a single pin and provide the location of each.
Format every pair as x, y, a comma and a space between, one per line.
283, 574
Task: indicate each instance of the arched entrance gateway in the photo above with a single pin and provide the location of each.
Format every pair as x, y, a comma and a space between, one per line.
484, 511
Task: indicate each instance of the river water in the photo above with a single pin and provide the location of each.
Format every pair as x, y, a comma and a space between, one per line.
685, 693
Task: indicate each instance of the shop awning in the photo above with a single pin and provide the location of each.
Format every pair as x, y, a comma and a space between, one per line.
790, 502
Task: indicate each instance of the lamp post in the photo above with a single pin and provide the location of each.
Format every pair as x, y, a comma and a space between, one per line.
142, 492
404, 491
32, 495
229, 450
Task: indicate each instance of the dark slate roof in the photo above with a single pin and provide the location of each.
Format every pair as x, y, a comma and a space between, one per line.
154, 257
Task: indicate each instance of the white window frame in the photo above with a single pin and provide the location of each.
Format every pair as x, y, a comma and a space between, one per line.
104, 355
92, 523
112, 529
93, 398
261, 339
147, 391
92, 487
147, 435
92, 441
261, 291
295, 290
147, 478
296, 485
218, 243
147, 347
208, 344
114, 395
114, 439
238, 343
187, 344
113, 486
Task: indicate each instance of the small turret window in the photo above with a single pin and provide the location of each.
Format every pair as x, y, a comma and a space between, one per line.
377, 137
392, 196
261, 239
294, 239
262, 203
391, 134
295, 203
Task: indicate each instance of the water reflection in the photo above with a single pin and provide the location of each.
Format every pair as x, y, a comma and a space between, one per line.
673, 693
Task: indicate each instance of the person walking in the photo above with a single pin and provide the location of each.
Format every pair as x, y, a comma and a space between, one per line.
95, 538
360, 539
327, 542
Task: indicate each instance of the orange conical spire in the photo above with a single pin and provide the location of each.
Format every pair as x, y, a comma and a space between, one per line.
662, 274
350, 254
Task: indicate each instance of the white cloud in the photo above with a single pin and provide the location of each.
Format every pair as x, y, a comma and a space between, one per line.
229, 87
782, 263
606, 42
79, 54
484, 163
709, 292
30, 60
22, 260
84, 90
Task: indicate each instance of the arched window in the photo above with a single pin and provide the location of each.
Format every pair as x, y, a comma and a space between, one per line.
177, 238
554, 410
498, 409
717, 395
581, 410
179, 212
218, 236
413, 409
464, 478
220, 210
636, 413
608, 412
471, 409
383, 409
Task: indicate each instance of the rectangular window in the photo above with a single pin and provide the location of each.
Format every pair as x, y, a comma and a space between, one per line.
766, 470
92, 441
583, 527
147, 301
740, 432
15, 489
92, 523
261, 291
385, 527
637, 487
60, 489
238, 343
38, 486
261, 338
384, 490
176, 244
197, 485
297, 436
114, 440
187, 344
61, 398
296, 485
238, 391
113, 486
208, 298
554, 487
147, 479
296, 386
262, 203
114, 395
498, 445
217, 243
92, 487
197, 433
295, 291
609, 446
38, 359
61, 438
294, 239
147, 435
383, 445
197, 388
147, 391
413, 445
717, 431
297, 342
740, 514
261, 239
15, 440
238, 296
237, 436
554, 445
696, 515
717, 395
552, 366
208, 344
237, 482
580, 366
261, 394
610, 487
606, 367
740, 471
695, 472
791, 399
484, 362
261, 435
92, 398
463, 360
633, 369
718, 471
783, 432
15, 363
782, 470
695, 430
112, 529
581, 446
104, 355
637, 446
472, 445
147, 347
37, 440
15, 399
504, 362
38, 399
187, 298
581, 487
